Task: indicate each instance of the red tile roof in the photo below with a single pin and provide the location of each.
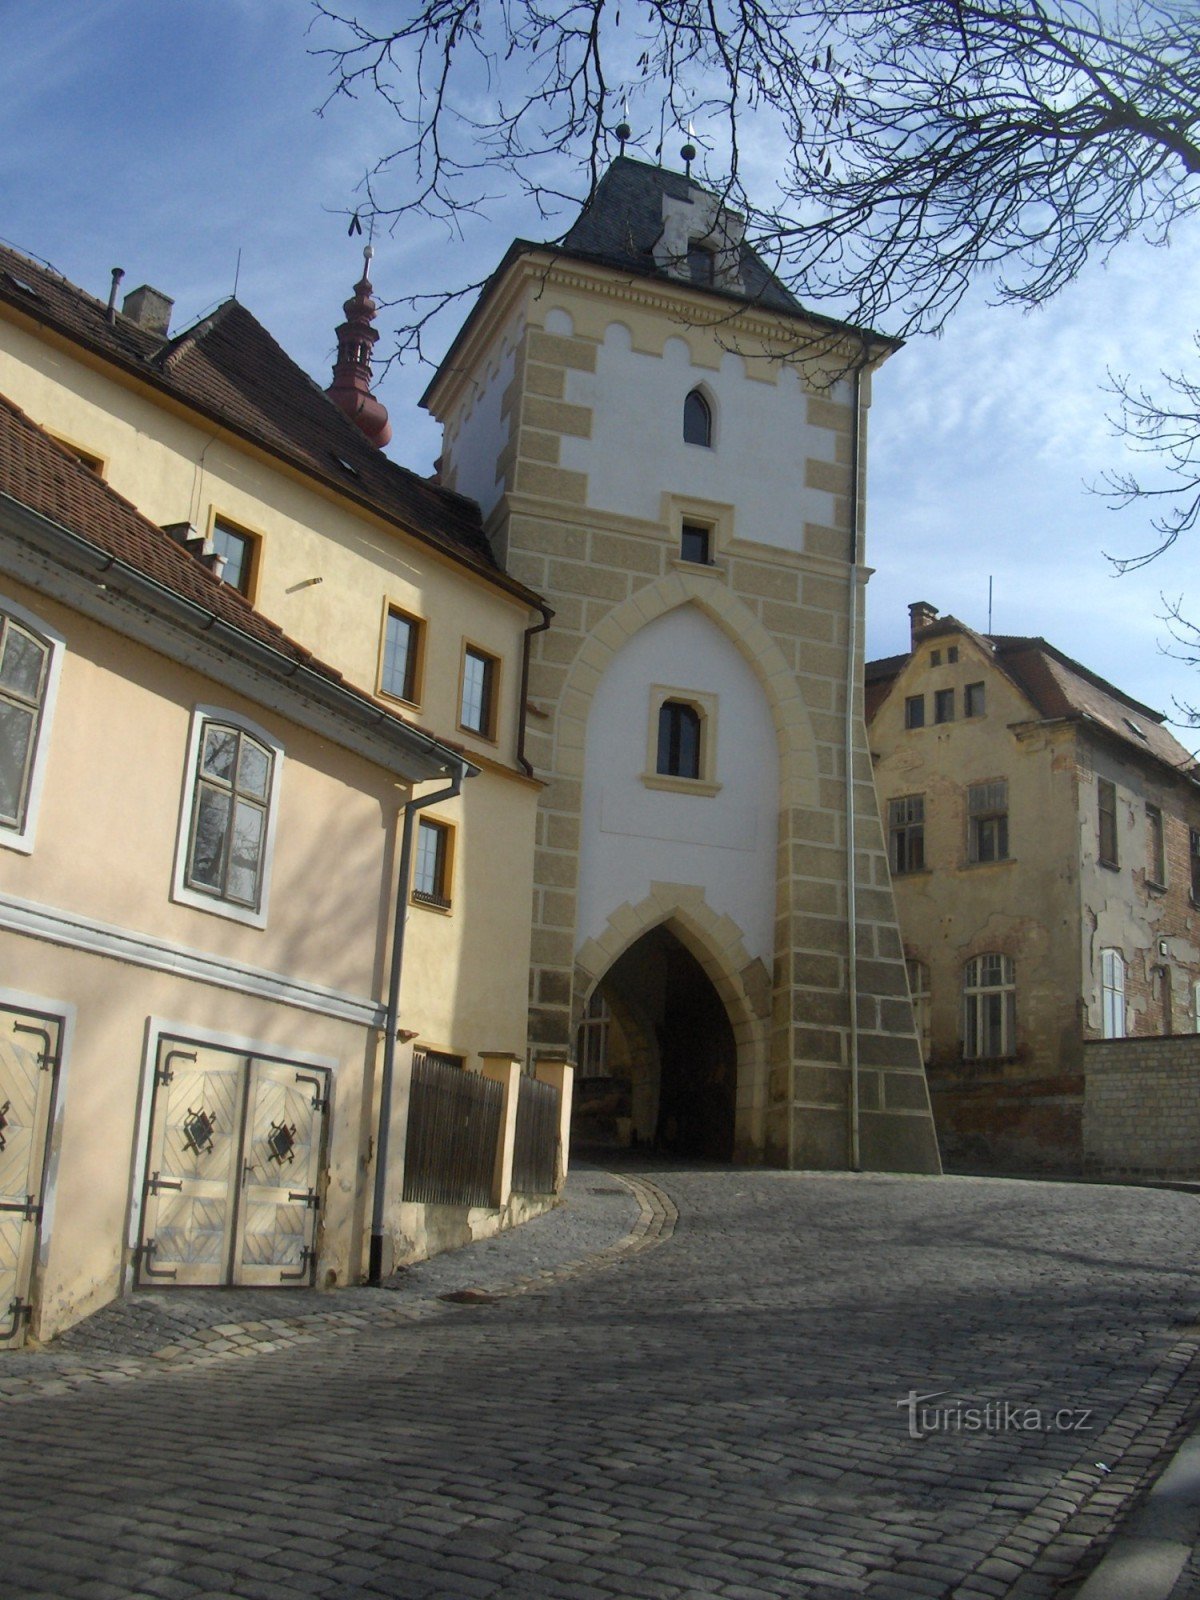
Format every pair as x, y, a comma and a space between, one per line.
229, 368
1055, 686
43, 476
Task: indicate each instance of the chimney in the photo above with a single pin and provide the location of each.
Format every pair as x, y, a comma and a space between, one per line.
921, 615
149, 308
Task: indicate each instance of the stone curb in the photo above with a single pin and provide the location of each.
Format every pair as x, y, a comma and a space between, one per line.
655, 1224
1147, 1558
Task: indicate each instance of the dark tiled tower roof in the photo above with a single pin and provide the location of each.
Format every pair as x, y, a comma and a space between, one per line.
621, 224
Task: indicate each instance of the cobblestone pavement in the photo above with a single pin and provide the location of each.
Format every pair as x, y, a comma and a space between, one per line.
720, 1415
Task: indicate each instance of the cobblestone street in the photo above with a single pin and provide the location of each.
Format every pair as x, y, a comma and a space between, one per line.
714, 1408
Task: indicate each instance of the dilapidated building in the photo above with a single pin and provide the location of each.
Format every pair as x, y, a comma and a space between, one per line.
1044, 842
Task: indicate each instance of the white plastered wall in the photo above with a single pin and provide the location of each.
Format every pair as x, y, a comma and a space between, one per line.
636, 448
634, 835
480, 434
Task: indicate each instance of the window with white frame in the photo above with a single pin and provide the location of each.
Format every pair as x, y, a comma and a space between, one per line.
228, 822
240, 550
30, 661
989, 1008
1112, 994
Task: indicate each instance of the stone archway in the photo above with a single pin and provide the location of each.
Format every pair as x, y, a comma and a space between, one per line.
798, 775
739, 984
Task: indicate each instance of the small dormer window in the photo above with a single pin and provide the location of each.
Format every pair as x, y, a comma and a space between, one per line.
697, 420
701, 264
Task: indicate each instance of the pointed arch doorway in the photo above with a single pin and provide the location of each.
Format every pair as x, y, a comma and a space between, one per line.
657, 1056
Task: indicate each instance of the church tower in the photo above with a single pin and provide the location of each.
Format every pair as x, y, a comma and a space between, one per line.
671, 449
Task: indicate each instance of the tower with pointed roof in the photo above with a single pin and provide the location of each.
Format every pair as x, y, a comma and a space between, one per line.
671, 448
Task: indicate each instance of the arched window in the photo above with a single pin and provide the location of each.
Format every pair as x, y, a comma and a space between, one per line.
989, 1008
678, 740
697, 419
1112, 994
918, 984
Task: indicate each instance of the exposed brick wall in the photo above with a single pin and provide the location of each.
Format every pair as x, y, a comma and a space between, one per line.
1141, 1108
999, 1124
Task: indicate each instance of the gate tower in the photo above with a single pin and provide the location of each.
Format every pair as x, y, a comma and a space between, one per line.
671, 448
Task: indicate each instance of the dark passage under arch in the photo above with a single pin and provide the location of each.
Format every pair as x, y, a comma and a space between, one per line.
669, 1074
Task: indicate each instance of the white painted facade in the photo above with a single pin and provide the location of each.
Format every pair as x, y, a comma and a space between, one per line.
760, 432
634, 835
470, 456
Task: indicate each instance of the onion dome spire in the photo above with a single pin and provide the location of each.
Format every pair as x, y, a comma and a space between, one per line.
351, 386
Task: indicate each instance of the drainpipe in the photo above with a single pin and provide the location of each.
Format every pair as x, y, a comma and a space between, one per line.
851, 689
523, 707
411, 807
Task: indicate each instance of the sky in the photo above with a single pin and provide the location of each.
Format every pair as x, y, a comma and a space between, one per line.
167, 136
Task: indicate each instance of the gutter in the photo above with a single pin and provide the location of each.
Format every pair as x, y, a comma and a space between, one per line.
852, 587
523, 707
399, 926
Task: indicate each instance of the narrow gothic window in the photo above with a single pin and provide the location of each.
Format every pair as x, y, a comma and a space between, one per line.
697, 419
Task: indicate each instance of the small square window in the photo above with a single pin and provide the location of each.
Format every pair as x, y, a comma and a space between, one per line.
477, 706
973, 700
935, 658
943, 705
914, 711
695, 543
432, 865
952, 654
399, 674
239, 551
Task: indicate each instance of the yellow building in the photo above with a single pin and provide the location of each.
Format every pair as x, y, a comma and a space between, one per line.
1044, 843
353, 648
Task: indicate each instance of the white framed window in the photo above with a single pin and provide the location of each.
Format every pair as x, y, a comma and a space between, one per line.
1112, 994
989, 1008
31, 655
227, 820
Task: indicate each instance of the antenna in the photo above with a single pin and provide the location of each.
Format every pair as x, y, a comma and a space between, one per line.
237, 272
989, 607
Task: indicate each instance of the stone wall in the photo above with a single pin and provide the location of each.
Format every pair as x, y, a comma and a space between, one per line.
1141, 1108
